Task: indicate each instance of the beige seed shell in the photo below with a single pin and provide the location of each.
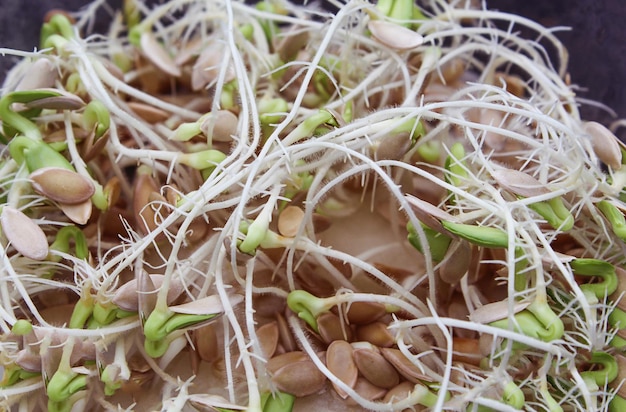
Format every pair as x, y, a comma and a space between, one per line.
42, 73
494, 311
25, 235
394, 36
127, 296
375, 368
209, 305
341, 363
62, 185
155, 52
362, 313
221, 127
520, 183
605, 144
78, 213
398, 392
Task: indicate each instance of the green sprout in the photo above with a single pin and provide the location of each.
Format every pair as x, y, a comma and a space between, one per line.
277, 402
484, 236
438, 243
456, 170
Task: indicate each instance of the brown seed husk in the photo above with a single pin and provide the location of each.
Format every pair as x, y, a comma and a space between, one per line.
25, 235
362, 313
277, 362
405, 367
268, 336
368, 391
331, 328
205, 342
62, 185
375, 368
299, 378
287, 340
148, 113
375, 333
466, 351
456, 263
341, 363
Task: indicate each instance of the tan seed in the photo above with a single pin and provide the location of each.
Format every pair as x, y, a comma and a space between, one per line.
299, 379
394, 36
404, 366
331, 328
148, 113
375, 368
268, 336
375, 333
25, 235
61, 101
605, 144
289, 221
62, 185
341, 363
362, 313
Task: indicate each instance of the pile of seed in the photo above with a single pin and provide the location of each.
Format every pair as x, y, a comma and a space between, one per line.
219, 206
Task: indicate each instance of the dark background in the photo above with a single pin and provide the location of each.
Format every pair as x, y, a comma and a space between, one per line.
597, 41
